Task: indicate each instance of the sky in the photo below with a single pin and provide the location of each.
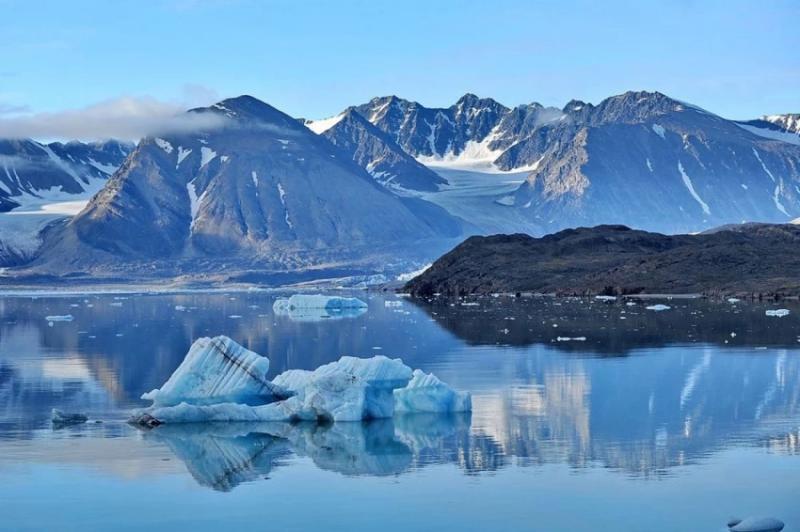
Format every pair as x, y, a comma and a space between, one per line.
65, 65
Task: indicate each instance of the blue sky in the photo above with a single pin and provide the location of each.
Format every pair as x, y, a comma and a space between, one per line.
738, 59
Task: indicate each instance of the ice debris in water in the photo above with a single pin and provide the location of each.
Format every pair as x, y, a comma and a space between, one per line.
218, 370
210, 386
62, 419
756, 524
658, 308
606, 298
306, 307
779, 313
65, 317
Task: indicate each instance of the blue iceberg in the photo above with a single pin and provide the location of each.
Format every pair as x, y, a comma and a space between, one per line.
221, 381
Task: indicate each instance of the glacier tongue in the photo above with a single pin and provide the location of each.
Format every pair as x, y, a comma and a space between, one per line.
221, 381
218, 370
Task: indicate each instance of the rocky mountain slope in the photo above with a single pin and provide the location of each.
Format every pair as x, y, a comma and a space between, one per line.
263, 192
377, 153
745, 260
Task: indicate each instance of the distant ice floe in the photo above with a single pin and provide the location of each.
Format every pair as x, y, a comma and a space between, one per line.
64, 317
606, 298
219, 380
779, 313
312, 307
658, 308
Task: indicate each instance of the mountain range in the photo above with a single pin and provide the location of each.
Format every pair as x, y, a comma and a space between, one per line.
387, 183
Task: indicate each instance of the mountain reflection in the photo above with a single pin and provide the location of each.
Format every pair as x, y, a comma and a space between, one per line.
695, 380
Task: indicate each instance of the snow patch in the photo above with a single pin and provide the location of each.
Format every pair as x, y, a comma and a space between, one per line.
321, 126
183, 153
690, 187
783, 136
163, 144
659, 130
649, 164
282, 195
206, 156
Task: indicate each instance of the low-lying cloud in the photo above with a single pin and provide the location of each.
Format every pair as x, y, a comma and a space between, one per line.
125, 118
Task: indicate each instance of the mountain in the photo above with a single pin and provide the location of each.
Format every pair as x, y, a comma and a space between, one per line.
32, 171
652, 162
471, 130
42, 183
262, 192
751, 260
779, 127
376, 152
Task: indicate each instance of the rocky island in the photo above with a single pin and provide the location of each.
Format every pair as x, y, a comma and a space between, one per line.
751, 260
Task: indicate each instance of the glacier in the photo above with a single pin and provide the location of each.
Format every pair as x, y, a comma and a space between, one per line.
221, 381
312, 307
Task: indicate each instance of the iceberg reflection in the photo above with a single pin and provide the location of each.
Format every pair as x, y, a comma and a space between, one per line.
223, 455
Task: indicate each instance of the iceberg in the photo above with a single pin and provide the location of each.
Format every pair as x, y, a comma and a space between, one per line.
308, 307
658, 308
218, 370
779, 313
425, 393
219, 380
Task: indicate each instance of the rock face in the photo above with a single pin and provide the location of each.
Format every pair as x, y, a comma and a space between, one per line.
261, 192
751, 259
471, 129
377, 153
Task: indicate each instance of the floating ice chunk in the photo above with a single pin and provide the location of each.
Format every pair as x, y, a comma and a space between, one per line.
64, 317
571, 339
733, 300
757, 524
218, 370
658, 308
779, 313
606, 298
425, 393
338, 395
62, 419
305, 307
392, 304
221, 381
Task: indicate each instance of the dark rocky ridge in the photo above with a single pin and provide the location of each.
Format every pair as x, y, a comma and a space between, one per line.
756, 259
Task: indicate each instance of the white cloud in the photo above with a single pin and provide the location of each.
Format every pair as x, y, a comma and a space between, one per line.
126, 118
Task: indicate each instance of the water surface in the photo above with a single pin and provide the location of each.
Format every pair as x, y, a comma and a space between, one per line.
674, 420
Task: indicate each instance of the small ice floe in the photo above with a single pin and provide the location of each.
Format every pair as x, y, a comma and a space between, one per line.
658, 308
606, 298
571, 339
116, 304
778, 313
756, 524
390, 304
235, 316
470, 304
733, 300
222, 381
62, 317
62, 419
306, 307
180, 308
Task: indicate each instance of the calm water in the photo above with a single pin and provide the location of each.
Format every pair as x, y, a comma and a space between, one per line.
658, 421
